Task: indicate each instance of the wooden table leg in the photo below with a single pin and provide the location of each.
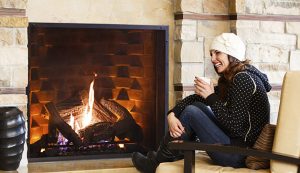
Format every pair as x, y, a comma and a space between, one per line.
189, 161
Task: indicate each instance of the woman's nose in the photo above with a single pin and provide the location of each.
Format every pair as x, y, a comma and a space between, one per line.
213, 56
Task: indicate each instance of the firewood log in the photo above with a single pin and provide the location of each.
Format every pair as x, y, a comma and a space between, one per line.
101, 131
65, 129
125, 127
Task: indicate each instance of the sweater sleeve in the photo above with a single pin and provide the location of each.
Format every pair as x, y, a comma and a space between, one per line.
234, 113
180, 106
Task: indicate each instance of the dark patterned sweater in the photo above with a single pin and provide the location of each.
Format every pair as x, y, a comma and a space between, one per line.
246, 108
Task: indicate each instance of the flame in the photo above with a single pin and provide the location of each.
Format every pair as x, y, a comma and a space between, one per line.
71, 123
88, 111
74, 124
77, 127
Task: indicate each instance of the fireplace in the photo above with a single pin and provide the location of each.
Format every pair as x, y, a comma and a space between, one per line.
96, 91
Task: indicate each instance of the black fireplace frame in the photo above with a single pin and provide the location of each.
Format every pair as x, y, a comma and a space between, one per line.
162, 76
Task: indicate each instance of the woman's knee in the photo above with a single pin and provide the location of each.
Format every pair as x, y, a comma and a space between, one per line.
191, 112
191, 108
200, 105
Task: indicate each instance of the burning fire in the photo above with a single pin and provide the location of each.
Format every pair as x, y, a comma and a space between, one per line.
87, 115
96, 117
88, 111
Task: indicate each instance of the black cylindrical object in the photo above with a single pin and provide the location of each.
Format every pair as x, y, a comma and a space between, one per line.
12, 137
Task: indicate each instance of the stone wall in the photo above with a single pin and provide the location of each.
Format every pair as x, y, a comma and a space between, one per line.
13, 54
267, 7
14, 57
272, 44
193, 37
269, 28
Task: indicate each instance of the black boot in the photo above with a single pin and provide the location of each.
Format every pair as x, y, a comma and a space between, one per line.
144, 164
149, 163
164, 154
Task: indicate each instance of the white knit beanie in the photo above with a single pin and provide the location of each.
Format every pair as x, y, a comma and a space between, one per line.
230, 44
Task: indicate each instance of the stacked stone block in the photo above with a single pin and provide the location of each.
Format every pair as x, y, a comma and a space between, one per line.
193, 38
13, 54
272, 45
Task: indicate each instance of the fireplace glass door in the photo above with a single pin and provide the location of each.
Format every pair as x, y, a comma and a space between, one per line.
96, 90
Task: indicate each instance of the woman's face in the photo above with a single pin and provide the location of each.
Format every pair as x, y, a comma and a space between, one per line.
219, 60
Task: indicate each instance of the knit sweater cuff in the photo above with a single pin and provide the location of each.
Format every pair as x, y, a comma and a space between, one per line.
211, 99
176, 111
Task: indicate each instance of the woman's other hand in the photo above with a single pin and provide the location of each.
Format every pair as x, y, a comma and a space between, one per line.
175, 127
202, 88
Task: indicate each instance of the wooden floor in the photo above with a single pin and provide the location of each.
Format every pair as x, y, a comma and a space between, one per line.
118, 165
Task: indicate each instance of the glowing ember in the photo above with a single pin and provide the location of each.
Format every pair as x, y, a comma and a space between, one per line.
121, 145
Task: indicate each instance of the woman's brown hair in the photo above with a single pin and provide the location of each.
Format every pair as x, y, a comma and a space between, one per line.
226, 77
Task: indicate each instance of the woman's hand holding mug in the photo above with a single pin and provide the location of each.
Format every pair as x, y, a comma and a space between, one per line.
203, 86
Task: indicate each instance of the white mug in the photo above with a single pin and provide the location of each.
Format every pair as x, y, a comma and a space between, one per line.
207, 80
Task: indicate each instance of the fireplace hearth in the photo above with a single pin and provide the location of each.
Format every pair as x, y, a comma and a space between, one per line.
96, 90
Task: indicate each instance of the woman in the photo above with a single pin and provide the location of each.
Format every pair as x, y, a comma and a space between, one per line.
238, 108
